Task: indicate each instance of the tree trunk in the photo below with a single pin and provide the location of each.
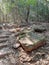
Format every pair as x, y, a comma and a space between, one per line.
6, 17
3, 18
28, 12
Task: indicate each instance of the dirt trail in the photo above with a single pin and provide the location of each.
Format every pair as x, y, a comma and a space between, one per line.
10, 55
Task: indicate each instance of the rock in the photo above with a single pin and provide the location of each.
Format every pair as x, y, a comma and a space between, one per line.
23, 56
12, 30
18, 29
12, 59
39, 29
16, 45
31, 41
25, 59
4, 61
4, 52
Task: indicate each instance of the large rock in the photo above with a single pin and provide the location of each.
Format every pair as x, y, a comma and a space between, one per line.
31, 41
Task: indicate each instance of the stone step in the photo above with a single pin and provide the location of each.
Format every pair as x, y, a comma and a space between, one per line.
4, 44
4, 52
1, 31
3, 40
4, 36
5, 32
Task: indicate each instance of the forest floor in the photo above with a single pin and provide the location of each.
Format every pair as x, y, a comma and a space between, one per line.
11, 52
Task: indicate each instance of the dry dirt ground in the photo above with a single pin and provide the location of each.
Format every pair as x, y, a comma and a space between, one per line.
10, 55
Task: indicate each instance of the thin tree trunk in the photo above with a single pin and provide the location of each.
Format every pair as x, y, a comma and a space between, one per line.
47, 18
3, 17
6, 17
28, 12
